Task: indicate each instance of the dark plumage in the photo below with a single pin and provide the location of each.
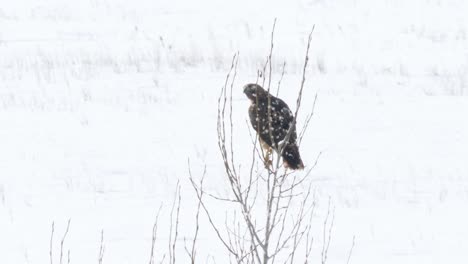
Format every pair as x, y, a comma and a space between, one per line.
281, 119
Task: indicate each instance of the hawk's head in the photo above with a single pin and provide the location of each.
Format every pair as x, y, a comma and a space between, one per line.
254, 91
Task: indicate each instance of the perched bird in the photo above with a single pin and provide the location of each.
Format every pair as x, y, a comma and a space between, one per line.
273, 133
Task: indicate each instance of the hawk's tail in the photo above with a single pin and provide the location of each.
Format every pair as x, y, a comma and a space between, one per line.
291, 157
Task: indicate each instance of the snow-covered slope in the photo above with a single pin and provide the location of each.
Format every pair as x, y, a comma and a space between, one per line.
102, 103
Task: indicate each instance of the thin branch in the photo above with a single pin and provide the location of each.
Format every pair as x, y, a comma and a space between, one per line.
176, 228
350, 251
171, 241
197, 219
199, 191
230, 112
281, 78
163, 258
63, 240
271, 54
102, 248
309, 238
299, 97
154, 235
51, 243
326, 242
306, 124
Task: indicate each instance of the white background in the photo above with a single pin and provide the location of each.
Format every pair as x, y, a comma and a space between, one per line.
103, 102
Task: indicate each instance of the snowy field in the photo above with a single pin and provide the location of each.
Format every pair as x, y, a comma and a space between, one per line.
103, 102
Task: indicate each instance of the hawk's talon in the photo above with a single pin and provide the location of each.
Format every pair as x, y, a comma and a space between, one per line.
268, 163
267, 160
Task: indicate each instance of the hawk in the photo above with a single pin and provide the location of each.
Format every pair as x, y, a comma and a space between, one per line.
281, 121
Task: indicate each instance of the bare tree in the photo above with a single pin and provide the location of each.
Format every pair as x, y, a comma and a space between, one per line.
272, 217
271, 208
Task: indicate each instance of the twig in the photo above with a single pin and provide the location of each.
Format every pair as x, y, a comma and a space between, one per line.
271, 53
299, 97
326, 242
306, 124
163, 258
192, 253
351, 250
63, 240
281, 79
172, 243
218, 233
154, 235
51, 244
101, 248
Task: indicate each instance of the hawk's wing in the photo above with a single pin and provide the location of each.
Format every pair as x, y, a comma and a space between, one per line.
281, 120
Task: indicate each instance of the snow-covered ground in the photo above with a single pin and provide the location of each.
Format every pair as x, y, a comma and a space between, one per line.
103, 102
